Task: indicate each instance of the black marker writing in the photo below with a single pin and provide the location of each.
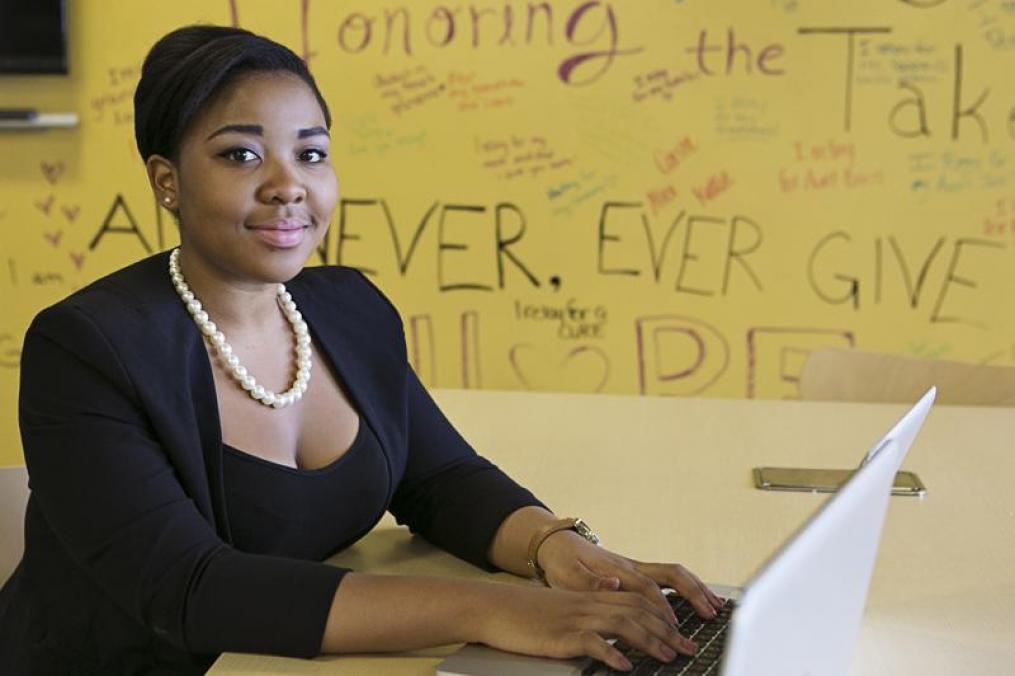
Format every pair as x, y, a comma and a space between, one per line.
850, 58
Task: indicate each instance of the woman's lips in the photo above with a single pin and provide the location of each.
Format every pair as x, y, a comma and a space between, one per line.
282, 234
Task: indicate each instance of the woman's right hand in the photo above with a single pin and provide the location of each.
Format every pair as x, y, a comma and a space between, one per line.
559, 623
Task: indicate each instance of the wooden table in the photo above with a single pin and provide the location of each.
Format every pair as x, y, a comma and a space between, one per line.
670, 479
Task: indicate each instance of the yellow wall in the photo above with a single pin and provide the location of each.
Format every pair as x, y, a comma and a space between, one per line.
689, 195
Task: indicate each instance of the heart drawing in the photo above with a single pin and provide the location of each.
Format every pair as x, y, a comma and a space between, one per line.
52, 172
584, 368
70, 212
45, 205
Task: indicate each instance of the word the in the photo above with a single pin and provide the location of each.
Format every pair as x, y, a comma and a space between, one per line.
731, 48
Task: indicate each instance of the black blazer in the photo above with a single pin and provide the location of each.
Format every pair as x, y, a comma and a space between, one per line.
128, 566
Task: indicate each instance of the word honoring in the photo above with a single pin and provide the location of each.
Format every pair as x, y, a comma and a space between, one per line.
573, 321
591, 26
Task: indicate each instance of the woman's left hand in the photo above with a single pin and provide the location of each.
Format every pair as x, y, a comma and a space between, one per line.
571, 562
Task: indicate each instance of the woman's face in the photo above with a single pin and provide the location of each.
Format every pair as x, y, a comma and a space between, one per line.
256, 187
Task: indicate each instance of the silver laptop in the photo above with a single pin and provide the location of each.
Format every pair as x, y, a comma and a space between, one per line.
801, 612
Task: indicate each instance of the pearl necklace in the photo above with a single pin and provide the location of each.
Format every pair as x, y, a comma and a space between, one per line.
225, 351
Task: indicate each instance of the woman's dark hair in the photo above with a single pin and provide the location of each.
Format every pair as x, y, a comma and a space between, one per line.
185, 71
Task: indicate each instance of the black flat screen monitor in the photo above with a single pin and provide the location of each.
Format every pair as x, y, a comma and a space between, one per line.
33, 36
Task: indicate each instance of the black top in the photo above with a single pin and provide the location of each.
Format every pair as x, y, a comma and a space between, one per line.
306, 514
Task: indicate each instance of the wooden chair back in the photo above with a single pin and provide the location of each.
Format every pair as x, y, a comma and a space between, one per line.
13, 500
834, 374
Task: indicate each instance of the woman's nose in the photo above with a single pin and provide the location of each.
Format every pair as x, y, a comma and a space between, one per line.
282, 185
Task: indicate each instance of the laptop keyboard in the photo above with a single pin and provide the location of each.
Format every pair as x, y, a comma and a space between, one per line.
710, 635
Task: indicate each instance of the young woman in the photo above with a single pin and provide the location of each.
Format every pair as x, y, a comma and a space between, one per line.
199, 437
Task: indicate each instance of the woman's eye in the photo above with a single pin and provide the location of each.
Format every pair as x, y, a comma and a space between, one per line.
239, 155
313, 155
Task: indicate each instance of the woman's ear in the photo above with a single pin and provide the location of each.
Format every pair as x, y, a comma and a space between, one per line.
164, 181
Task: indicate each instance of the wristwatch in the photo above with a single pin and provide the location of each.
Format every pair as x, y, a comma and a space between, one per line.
577, 525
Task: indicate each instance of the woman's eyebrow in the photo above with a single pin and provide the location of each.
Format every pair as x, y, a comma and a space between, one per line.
255, 129
313, 131
258, 130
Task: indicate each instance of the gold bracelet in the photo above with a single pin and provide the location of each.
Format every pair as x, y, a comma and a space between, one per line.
577, 525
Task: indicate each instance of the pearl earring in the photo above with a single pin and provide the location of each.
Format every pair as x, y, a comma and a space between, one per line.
167, 199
